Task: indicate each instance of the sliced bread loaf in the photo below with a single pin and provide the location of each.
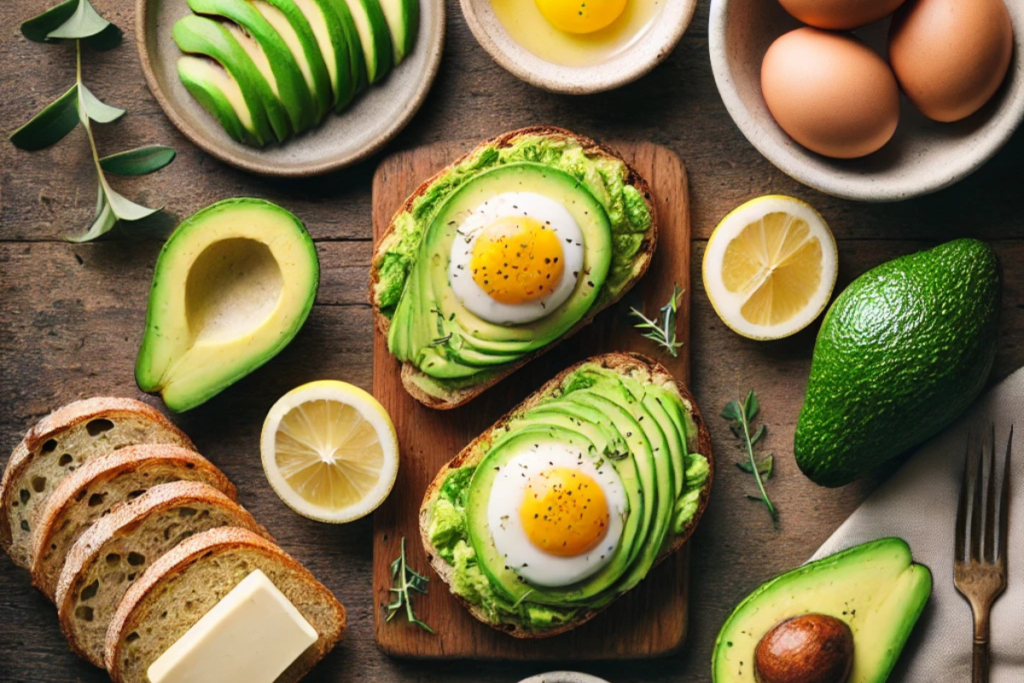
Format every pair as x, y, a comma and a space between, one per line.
93, 490
118, 548
62, 442
187, 582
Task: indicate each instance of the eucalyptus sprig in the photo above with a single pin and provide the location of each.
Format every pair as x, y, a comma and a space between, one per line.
662, 330
78, 21
404, 584
741, 420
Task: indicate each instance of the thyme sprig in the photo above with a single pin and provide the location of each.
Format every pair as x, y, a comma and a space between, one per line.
76, 20
405, 583
662, 330
741, 419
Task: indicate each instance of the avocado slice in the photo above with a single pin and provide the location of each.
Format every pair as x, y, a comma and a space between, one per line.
356, 58
231, 288
333, 42
291, 23
403, 18
203, 36
875, 588
374, 36
220, 95
902, 352
270, 54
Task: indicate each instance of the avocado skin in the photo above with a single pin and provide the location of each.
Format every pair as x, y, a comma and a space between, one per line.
902, 352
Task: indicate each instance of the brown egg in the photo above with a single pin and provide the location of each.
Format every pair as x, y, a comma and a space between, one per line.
814, 648
840, 14
950, 56
830, 92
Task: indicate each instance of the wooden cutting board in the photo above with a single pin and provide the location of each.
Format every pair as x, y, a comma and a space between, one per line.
651, 619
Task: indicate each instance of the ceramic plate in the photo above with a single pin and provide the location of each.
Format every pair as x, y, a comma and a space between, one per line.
375, 118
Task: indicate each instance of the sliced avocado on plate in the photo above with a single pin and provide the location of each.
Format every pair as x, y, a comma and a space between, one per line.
334, 47
403, 18
200, 35
270, 54
357, 60
374, 36
220, 95
231, 288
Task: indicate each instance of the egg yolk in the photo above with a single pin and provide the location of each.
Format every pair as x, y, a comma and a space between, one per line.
581, 16
517, 260
564, 512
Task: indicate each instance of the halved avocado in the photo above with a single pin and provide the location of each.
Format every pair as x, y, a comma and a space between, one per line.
231, 288
374, 37
291, 23
403, 18
875, 588
270, 54
200, 35
334, 47
220, 95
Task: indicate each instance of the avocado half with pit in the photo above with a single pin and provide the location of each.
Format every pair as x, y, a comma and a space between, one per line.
231, 288
875, 589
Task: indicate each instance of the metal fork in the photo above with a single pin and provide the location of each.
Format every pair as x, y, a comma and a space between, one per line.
979, 565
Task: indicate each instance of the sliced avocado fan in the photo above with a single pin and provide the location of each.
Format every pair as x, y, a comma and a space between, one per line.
373, 32
231, 288
403, 18
220, 94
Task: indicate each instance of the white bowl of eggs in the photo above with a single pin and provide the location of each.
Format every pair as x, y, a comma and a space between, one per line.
872, 100
578, 46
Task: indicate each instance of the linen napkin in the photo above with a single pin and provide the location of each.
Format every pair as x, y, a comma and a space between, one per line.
918, 504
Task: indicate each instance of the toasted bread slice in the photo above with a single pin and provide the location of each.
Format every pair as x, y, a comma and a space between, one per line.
460, 396
62, 442
191, 579
118, 549
95, 488
638, 367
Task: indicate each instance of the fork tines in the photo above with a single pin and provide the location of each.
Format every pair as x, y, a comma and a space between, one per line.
982, 519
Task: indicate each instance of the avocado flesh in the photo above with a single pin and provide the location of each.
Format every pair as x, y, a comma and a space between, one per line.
270, 53
356, 58
333, 44
220, 95
902, 352
403, 19
374, 37
875, 588
594, 410
293, 27
231, 288
200, 35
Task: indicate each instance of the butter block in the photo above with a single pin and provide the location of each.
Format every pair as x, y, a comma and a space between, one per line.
251, 636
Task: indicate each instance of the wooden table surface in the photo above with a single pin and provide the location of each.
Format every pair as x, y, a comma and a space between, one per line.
72, 315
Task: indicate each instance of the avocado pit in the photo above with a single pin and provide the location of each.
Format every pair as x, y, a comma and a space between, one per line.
813, 648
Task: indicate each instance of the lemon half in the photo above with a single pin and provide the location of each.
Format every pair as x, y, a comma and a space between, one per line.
330, 451
770, 267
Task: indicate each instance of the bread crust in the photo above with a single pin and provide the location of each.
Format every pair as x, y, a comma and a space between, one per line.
623, 363
643, 260
197, 548
124, 517
58, 421
131, 458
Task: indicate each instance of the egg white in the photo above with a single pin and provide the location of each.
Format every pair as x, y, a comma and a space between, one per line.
548, 212
508, 493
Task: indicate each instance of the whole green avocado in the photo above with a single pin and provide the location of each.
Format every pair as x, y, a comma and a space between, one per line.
903, 351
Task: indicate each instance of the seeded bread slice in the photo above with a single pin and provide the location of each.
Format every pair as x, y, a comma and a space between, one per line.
119, 548
93, 490
190, 580
634, 365
62, 442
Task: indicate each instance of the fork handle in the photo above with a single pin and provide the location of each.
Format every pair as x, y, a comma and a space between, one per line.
980, 660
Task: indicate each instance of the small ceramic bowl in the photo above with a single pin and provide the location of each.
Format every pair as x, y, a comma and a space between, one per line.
923, 156
563, 677
626, 66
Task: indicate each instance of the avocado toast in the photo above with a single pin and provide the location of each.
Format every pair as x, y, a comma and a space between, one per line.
568, 219
503, 529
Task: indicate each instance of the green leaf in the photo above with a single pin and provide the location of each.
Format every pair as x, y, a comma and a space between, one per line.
732, 411
765, 467
103, 222
97, 110
50, 125
125, 209
83, 23
107, 39
38, 28
141, 161
751, 406
759, 434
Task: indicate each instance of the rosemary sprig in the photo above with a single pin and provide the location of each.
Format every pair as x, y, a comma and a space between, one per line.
662, 330
406, 582
76, 20
741, 419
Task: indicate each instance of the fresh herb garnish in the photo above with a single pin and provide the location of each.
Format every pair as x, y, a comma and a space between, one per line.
405, 582
662, 330
741, 420
76, 20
